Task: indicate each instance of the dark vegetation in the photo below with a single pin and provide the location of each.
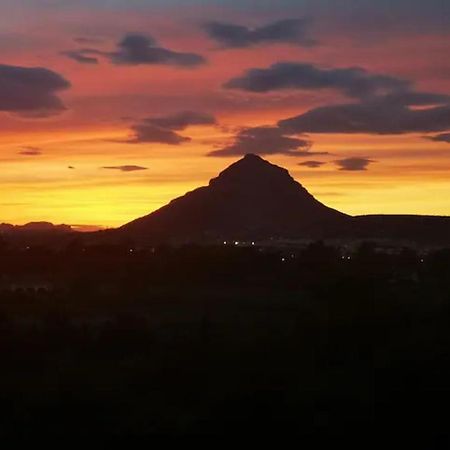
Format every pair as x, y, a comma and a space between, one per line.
320, 342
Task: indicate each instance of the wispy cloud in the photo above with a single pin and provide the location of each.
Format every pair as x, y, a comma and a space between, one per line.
263, 141
355, 82
312, 164
137, 49
444, 137
163, 129
125, 168
229, 35
30, 151
354, 164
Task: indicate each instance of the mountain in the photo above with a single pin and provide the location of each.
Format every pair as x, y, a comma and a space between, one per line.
251, 199
34, 227
35, 234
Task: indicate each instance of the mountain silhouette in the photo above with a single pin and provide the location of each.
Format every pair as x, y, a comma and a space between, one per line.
252, 199
35, 234
35, 227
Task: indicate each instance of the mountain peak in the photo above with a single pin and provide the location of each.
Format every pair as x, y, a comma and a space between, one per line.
251, 161
253, 172
252, 157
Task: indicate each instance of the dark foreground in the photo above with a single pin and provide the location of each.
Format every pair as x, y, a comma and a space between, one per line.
112, 342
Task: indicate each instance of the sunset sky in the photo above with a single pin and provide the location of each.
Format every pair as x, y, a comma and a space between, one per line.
110, 108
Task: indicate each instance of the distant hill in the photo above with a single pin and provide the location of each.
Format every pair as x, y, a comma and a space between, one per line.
34, 227
35, 234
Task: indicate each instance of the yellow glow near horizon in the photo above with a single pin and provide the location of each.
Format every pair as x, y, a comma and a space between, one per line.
43, 188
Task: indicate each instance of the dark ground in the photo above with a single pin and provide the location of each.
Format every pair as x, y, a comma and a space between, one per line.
220, 341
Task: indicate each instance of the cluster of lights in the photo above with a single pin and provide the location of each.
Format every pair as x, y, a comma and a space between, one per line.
237, 243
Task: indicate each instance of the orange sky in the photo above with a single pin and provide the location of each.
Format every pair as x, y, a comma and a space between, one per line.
409, 174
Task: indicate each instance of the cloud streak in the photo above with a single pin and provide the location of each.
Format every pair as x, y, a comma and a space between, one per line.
444, 137
81, 56
145, 132
372, 117
126, 168
30, 151
182, 120
291, 31
308, 153
137, 49
88, 40
312, 164
263, 141
353, 164
354, 82
382, 104
163, 129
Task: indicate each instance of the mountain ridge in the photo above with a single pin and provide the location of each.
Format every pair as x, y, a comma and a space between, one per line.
252, 199
35, 227
255, 199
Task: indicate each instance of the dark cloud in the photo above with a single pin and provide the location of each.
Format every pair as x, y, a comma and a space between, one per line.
308, 153
30, 151
413, 98
126, 168
163, 129
369, 117
292, 31
147, 132
82, 56
180, 121
263, 141
444, 137
137, 48
312, 164
385, 104
354, 81
31, 91
353, 164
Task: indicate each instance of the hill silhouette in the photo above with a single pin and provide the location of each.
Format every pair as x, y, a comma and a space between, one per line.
252, 198
35, 227
35, 234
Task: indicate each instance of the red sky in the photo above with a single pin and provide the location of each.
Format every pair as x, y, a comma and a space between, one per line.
404, 170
